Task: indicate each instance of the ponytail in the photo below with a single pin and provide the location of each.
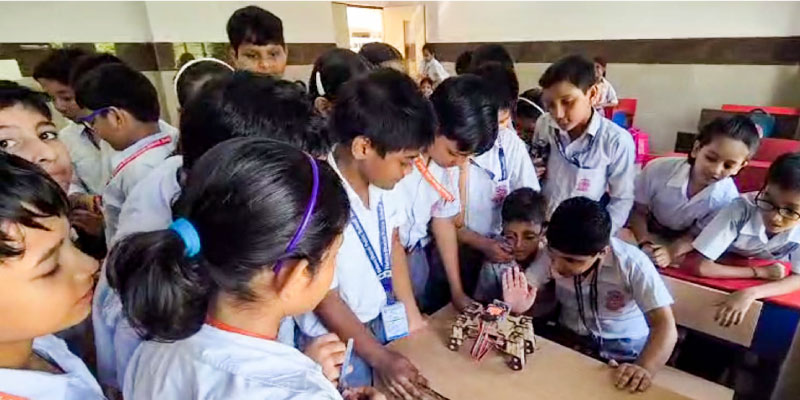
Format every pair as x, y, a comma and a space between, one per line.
164, 293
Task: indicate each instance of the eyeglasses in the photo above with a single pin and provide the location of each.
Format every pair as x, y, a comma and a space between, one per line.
87, 120
767, 205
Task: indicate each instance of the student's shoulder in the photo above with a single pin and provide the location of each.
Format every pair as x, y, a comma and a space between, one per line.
508, 138
725, 191
631, 258
615, 134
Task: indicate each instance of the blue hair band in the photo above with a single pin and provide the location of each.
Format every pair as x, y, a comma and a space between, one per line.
191, 240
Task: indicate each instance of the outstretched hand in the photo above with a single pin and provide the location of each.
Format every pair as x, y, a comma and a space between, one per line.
516, 290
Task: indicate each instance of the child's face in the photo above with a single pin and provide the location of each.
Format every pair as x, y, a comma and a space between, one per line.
63, 98
721, 158
525, 127
321, 282
599, 70
780, 209
445, 152
267, 59
384, 172
427, 56
109, 125
427, 89
28, 134
569, 265
523, 236
569, 106
47, 289
504, 118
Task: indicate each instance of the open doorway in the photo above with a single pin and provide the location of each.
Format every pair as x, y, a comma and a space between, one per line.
365, 25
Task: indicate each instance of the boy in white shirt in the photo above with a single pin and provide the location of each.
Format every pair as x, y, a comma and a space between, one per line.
764, 226
431, 67
589, 155
382, 123
467, 119
256, 39
613, 301
608, 96
125, 113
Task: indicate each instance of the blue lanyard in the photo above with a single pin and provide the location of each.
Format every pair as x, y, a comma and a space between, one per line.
574, 159
382, 268
503, 172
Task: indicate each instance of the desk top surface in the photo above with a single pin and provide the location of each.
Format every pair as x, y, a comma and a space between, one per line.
551, 372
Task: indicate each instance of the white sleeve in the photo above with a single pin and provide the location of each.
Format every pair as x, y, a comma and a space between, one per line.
520, 166
447, 209
642, 185
721, 232
621, 174
794, 259
611, 94
648, 288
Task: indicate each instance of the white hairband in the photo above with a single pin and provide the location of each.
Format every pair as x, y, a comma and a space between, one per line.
193, 62
532, 103
320, 89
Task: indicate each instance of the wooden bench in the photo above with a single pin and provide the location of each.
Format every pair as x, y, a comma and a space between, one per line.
692, 386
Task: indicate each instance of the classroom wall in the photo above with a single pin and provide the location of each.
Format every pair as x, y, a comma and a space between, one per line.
675, 58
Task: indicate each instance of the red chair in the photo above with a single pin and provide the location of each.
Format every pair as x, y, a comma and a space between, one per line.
752, 176
771, 148
771, 110
628, 106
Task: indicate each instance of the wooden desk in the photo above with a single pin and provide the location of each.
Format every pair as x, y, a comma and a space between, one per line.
553, 372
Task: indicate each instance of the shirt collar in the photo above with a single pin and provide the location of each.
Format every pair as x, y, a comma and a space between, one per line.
374, 195
119, 156
680, 178
754, 226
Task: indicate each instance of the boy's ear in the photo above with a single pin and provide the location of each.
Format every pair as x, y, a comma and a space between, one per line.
594, 93
323, 106
361, 146
116, 117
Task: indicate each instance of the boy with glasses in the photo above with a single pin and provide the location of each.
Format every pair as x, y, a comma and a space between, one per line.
766, 226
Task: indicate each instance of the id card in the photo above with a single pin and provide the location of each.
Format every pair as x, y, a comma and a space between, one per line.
395, 321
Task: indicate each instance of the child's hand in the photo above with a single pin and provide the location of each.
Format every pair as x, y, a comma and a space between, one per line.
328, 351
516, 291
363, 393
731, 311
497, 251
661, 255
541, 168
399, 376
416, 322
461, 301
89, 222
633, 377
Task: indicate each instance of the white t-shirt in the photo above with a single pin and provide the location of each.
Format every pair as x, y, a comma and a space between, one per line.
86, 157
739, 228
423, 202
359, 286
487, 186
628, 286
433, 70
76, 383
662, 187
215, 364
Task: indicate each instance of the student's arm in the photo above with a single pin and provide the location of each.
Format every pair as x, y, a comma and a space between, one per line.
621, 173
397, 372
494, 250
638, 223
716, 238
663, 336
401, 283
611, 99
521, 172
732, 310
444, 233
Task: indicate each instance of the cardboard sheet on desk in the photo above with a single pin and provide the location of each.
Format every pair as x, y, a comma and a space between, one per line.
791, 300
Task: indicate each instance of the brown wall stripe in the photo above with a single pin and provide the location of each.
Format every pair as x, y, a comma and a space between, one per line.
158, 56
759, 51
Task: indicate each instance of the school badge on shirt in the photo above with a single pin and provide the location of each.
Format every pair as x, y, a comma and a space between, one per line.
615, 300
583, 185
500, 193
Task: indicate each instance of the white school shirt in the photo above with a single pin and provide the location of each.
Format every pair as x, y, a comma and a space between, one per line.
214, 364
433, 70
607, 94
423, 202
359, 286
601, 160
739, 228
485, 194
76, 383
628, 286
148, 206
138, 166
85, 155
662, 187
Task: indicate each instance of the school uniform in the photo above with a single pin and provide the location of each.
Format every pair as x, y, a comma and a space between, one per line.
430, 191
607, 94
84, 151
600, 161
356, 276
662, 187
217, 364
628, 286
490, 280
434, 70
76, 383
739, 229
491, 176
128, 168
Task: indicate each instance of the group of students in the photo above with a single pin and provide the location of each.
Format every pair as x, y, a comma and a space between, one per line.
240, 251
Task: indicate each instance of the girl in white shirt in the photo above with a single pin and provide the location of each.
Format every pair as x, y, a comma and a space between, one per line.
255, 243
46, 286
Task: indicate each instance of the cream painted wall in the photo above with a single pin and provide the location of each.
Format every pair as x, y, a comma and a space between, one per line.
456, 21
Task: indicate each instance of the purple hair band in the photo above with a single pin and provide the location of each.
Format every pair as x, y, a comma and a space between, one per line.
312, 203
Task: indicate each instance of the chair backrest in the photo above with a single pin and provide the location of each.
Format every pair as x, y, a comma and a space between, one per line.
626, 106
771, 148
771, 110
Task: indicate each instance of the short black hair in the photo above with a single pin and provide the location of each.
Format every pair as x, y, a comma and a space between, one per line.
579, 226
463, 62
785, 172
503, 82
525, 109
525, 205
386, 107
12, 94
427, 80
429, 48
333, 68
117, 85
27, 194
738, 127
254, 25
601, 60
575, 69
58, 64
377, 53
89, 62
191, 79
224, 109
467, 112
491, 53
